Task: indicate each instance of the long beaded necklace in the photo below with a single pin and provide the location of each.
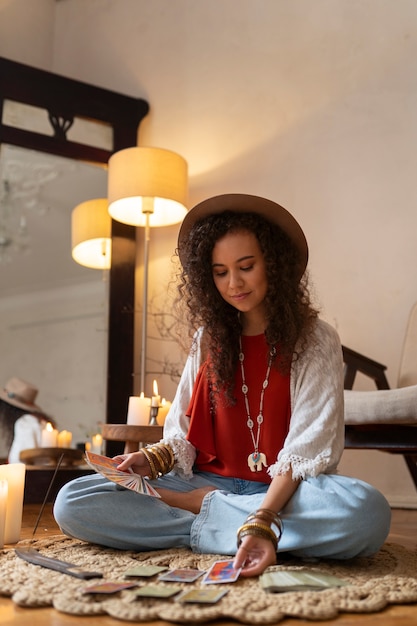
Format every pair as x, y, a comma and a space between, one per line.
256, 459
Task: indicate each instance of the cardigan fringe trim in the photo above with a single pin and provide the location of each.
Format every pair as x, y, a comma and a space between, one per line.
184, 454
300, 467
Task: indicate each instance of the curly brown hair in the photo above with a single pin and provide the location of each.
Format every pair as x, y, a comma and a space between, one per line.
290, 313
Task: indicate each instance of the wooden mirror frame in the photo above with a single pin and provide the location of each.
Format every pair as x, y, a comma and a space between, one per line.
64, 99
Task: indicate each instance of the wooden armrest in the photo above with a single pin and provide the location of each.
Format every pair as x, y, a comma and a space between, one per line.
356, 362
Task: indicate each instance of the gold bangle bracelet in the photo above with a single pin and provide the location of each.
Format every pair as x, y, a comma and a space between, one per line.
255, 532
159, 461
170, 452
268, 516
259, 526
154, 473
167, 456
257, 529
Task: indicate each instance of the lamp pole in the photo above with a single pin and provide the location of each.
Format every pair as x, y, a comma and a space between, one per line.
147, 210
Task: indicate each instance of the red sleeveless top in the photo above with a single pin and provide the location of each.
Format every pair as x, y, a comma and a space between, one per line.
221, 435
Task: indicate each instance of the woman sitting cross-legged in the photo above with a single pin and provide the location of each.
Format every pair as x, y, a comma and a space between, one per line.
248, 461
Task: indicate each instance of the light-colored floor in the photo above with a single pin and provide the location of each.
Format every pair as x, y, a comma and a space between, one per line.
403, 531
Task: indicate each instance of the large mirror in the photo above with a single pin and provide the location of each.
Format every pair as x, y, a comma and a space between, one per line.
49, 303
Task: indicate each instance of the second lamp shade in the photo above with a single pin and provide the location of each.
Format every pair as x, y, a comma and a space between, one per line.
91, 234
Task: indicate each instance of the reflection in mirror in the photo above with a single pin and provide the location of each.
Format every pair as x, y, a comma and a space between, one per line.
53, 312
68, 102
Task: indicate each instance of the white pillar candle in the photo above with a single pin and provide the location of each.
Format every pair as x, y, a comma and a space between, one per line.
49, 436
138, 411
14, 473
4, 488
64, 439
96, 444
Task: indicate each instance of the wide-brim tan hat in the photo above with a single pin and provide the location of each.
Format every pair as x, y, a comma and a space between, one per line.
21, 394
246, 204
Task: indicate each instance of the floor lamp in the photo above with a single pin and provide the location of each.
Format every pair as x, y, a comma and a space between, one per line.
91, 234
147, 187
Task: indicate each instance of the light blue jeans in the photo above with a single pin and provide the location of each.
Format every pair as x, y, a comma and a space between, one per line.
330, 516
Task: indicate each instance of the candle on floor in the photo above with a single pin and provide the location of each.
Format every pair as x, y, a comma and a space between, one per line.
64, 439
4, 488
138, 410
49, 436
14, 473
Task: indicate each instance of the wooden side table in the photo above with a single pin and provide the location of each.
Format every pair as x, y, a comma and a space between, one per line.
40, 471
132, 435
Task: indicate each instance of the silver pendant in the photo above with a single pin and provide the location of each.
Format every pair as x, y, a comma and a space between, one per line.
256, 460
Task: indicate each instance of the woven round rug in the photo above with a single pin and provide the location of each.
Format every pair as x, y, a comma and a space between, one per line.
373, 583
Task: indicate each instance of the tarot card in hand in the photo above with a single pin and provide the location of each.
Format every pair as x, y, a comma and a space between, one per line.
107, 467
221, 572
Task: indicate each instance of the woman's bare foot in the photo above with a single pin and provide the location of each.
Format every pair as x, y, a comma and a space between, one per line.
189, 501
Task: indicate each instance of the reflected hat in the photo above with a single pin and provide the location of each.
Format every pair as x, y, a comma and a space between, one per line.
244, 203
21, 394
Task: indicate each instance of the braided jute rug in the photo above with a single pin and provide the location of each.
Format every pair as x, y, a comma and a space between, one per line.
375, 582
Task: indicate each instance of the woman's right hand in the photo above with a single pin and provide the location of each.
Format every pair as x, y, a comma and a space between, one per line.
135, 460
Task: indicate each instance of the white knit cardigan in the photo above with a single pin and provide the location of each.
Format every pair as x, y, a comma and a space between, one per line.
315, 440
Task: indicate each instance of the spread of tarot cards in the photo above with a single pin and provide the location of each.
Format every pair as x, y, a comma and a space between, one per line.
107, 467
220, 572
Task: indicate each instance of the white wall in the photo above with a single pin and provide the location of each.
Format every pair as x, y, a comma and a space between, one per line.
57, 340
310, 103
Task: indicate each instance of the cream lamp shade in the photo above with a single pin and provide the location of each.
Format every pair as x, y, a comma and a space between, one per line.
147, 182
91, 234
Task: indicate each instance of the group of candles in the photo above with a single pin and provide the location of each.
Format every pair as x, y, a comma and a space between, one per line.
12, 482
51, 438
12, 485
139, 409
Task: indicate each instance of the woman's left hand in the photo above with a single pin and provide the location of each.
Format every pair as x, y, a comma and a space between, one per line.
254, 555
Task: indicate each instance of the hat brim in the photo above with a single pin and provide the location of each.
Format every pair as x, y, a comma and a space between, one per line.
17, 403
243, 203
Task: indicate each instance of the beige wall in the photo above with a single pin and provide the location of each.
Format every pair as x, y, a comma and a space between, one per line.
310, 103
27, 31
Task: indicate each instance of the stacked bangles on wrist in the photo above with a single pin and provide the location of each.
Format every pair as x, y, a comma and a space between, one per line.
160, 458
261, 529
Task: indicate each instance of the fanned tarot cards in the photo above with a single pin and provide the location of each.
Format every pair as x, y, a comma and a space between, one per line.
107, 467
